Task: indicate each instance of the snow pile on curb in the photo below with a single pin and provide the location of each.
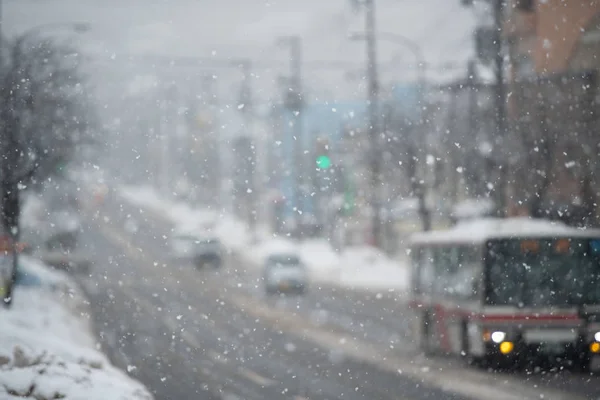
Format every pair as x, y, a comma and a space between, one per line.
232, 232
258, 253
355, 267
368, 267
360, 267
48, 350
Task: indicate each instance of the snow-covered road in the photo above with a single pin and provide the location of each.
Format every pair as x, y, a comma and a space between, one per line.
214, 332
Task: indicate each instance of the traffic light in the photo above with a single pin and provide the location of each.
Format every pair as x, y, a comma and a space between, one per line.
323, 162
322, 158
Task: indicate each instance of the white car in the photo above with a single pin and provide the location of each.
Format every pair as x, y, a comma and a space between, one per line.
285, 273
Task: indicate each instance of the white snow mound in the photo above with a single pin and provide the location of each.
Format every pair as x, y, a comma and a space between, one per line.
48, 350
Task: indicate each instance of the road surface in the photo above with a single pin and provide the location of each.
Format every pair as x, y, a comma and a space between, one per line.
213, 334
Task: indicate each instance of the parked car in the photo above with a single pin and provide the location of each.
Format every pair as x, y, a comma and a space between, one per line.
284, 273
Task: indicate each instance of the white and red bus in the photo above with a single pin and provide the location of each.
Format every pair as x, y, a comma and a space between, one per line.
507, 291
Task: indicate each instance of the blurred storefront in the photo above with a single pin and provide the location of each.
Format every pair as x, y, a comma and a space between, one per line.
554, 49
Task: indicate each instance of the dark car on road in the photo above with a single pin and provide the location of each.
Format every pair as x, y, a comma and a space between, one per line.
208, 251
200, 250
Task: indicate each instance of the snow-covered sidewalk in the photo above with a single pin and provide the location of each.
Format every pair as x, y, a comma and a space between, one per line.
360, 267
48, 349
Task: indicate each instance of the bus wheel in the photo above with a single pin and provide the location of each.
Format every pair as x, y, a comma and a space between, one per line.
582, 364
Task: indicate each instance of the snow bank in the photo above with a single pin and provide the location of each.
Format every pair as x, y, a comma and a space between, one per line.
356, 267
142, 196
233, 233
368, 268
319, 255
47, 348
258, 253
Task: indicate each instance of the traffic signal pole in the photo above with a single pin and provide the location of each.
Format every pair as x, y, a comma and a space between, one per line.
497, 8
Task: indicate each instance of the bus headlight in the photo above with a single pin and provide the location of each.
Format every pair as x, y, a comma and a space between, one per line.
506, 347
597, 336
498, 336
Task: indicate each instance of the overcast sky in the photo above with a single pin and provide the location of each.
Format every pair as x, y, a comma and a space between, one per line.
248, 28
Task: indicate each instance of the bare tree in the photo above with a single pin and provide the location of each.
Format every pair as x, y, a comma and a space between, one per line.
46, 114
407, 151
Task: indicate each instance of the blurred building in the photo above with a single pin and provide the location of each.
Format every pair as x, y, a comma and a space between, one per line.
553, 36
554, 49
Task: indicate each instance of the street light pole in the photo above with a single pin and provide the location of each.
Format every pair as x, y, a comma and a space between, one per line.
1, 38
247, 110
500, 99
419, 188
295, 103
375, 159
417, 52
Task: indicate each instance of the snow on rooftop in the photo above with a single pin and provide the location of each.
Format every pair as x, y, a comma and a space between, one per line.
479, 230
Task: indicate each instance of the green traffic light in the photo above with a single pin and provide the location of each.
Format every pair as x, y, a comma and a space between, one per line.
323, 162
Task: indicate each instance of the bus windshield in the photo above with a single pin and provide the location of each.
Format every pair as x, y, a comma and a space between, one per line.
543, 272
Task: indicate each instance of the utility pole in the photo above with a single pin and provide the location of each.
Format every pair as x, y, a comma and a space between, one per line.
1, 40
421, 65
295, 103
500, 99
375, 159
246, 108
297, 106
490, 49
164, 148
472, 130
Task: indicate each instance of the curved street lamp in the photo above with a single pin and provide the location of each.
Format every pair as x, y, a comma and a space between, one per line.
409, 44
